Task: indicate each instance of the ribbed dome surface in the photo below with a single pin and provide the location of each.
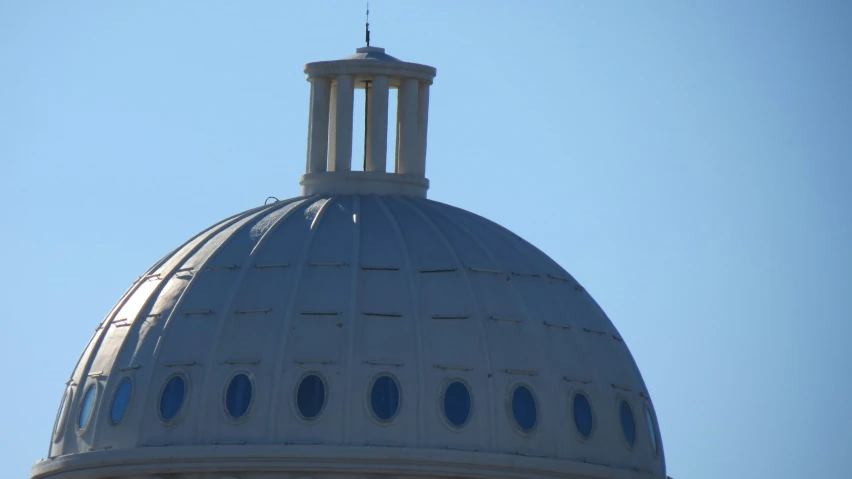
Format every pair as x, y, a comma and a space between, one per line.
349, 288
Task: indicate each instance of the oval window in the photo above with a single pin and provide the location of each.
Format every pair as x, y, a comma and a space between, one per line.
238, 396
171, 399
628, 423
310, 397
384, 398
652, 432
86, 407
583, 418
62, 413
457, 403
524, 408
120, 400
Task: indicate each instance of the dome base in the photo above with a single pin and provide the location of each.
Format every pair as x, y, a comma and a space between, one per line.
317, 460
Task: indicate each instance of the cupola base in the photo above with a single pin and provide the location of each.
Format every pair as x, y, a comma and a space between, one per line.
363, 183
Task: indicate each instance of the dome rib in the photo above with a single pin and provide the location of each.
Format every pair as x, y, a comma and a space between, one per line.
415, 306
353, 315
483, 341
289, 207
283, 350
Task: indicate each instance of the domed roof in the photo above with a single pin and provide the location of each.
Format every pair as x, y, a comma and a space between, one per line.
351, 288
359, 329
371, 53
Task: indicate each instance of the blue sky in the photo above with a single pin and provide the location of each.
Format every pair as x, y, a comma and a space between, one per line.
689, 162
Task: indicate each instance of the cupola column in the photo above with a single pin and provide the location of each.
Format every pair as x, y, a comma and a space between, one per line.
377, 124
340, 144
409, 141
422, 123
318, 125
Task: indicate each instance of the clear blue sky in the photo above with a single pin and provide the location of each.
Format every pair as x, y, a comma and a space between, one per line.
689, 162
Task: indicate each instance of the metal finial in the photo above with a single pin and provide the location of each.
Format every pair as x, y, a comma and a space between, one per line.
368, 24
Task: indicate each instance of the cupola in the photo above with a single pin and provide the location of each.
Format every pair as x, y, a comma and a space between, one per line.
330, 125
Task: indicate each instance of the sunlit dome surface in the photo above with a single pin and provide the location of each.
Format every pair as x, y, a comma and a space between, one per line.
345, 332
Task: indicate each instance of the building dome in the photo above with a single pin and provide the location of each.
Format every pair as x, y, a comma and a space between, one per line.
359, 329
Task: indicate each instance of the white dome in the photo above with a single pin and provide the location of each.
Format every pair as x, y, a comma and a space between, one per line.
355, 331
350, 288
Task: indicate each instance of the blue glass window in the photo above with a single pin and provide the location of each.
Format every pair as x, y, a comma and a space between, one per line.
86, 407
652, 432
172, 398
120, 400
238, 396
63, 410
583, 415
310, 397
384, 398
628, 423
524, 408
457, 403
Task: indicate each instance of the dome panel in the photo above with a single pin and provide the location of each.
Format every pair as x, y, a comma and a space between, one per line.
428, 251
379, 244
507, 326
383, 284
441, 288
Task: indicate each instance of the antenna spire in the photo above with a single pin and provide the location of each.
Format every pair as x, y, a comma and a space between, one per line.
367, 27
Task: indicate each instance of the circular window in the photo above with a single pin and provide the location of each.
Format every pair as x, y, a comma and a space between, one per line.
310, 397
238, 396
384, 398
583, 418
628, 423
171, 399
524, 409
62, 413
86, 407
652, 431
120, 400
457, 403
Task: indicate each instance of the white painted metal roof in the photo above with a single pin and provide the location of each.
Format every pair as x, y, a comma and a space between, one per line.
349, 287
371, 53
